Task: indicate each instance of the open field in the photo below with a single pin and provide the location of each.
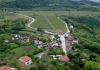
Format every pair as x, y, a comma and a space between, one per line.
24, 50
46, 20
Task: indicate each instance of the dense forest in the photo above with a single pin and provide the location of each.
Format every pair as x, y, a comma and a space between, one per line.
50, 5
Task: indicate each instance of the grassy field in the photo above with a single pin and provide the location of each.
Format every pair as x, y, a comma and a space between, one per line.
46, 20
75, 13
24, 50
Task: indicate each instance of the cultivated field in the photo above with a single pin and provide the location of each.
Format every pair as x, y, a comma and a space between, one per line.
46, 20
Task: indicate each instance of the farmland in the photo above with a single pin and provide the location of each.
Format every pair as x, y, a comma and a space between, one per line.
46, 20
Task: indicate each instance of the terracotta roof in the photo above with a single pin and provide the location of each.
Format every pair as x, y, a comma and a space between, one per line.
64, 58
22, 64
5, 68
25, 58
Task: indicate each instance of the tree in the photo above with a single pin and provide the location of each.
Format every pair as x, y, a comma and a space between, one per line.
33, 68
40, 30
41, 66
14, 63
54, 62
90, 65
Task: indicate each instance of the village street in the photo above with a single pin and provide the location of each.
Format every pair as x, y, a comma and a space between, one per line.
62, 38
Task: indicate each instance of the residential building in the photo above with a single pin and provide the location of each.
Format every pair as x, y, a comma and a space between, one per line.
64, 58
68, 45
24, 61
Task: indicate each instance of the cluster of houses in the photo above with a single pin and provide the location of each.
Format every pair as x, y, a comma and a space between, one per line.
69, 39
26, 60
47, 46
21, 38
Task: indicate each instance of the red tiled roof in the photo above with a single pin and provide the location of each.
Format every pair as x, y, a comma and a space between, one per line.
64, 58
22, 64
26, 58
5, 68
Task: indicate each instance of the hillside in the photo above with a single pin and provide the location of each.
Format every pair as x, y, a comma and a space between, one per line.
50, 5
50, 34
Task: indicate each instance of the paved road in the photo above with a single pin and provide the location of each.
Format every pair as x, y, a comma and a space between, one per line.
62, 38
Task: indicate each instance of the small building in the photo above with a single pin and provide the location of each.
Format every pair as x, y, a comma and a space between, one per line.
68, 46
6, 41
70, 38
75, 41
37, 42
24, 61
64, 58
52, 37
71, 26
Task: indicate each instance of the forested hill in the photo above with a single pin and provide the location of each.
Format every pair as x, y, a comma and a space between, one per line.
51, 4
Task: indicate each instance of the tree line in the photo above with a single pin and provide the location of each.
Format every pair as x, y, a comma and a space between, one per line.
57, 4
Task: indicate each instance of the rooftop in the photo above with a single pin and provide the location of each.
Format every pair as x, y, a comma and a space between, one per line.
64, 58
5, 68
25, 58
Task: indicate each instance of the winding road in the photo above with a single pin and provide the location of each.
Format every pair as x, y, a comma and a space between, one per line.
62, 37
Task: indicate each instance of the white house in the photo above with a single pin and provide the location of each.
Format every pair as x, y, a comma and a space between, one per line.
25, 60
71, 26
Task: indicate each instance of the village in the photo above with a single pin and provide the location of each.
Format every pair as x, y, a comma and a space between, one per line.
54, 43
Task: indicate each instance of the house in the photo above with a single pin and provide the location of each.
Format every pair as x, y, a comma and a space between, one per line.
6, 41
70, 38
47, 48
24, 61
64, 58
68, 45
37, 42
75, 41
52, 37
7, 68
71, 26
54, 56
